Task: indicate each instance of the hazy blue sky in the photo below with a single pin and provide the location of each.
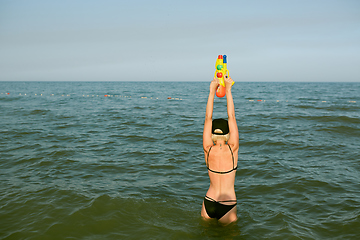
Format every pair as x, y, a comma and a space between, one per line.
163, 40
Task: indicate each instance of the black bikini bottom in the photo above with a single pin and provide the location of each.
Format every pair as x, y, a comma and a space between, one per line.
215, 209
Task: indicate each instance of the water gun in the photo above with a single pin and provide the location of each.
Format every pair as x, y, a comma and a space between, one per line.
220, 72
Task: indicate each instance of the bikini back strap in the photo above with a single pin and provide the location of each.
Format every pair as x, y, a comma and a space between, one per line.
213, 200
207, 163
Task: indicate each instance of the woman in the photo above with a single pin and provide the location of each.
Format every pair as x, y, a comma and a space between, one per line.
221, 146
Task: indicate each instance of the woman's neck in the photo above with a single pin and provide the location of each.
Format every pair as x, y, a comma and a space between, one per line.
220, 143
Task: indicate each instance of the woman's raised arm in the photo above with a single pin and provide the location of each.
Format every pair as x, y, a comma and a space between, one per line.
233, 128
207, 141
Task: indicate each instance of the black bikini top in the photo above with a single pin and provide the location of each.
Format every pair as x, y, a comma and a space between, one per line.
234, 168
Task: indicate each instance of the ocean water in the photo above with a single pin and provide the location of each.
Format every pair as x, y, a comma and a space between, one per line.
76, 164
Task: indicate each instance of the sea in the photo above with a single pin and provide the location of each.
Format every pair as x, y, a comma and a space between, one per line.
124, 160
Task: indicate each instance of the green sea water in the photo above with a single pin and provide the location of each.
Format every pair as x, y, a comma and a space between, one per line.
75, 164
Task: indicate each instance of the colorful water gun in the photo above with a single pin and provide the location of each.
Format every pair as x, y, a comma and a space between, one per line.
220, 72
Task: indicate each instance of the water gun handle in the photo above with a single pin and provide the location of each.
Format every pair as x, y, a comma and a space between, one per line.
225, 69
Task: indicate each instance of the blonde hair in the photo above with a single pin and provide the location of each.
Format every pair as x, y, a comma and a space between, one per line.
216, 137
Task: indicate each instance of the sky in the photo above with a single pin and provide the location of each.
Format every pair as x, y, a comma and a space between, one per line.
162, 40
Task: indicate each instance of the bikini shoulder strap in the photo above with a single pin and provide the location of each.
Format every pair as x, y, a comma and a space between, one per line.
232, 157
207, 158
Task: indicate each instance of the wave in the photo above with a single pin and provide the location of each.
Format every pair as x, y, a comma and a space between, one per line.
332, 108
39, 112
342, 130
322, 119
70, 214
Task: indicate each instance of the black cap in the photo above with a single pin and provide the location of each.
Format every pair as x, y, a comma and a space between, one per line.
221, 124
